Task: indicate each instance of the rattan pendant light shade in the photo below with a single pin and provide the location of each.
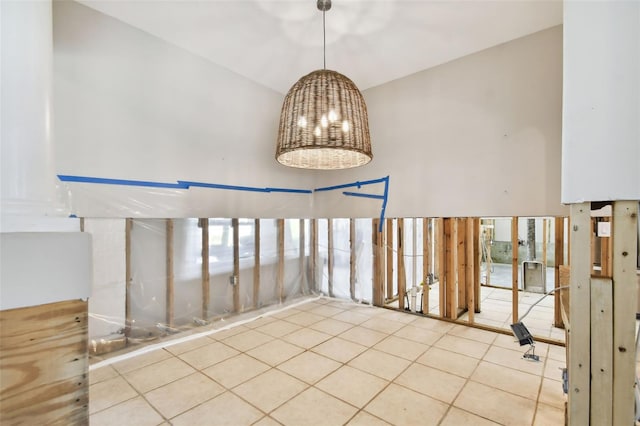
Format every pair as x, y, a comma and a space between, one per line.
324, 124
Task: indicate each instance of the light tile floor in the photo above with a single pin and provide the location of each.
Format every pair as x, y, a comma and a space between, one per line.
331, 362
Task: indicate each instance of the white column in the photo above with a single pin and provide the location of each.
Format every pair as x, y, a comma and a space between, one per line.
28, 181
601, 102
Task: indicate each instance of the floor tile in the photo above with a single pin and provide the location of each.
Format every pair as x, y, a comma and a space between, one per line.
101, 374
304, 319
275, 352
260, 322
513, 359
352, 385
558, 353
339, 349
307, 338
496, 405
384, 325
223, 334
331, 326
314, 407
158, 374
365, 419
401, 406
224, 409
473, 334
233, 371
267, 421
326, 311
270, 389
363, 336
208, 355
137, 412
403, 348
547, 415
419, 334
181, 395
109, 393
286, 313
140, 361
506, 379
451, 362
462, 346
247, 340
309, 367
403, 317
551, 393
458, 417
380, 364
433, 324
351, 317
278, 328
189, 345
553, 369
431, 382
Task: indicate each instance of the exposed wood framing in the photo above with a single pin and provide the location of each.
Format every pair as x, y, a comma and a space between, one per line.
45, 363
352, 258
441, 245
170, 276
426, 263
606, 254
514, 268
477, 255
402, 276
558, 262
580, 315
128, 224
389, 258
256, 264
280, 250
451, 237
624, 231
330, 255
461, 264
601, 353
236, 265
378, 253
544, 244
314, 254
470, 269
206, 288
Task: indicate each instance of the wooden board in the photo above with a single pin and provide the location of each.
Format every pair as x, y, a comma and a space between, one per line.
256, 263
389, 258
461, 264
514, 269
470, 267
236, 265
442, 265
170, 276
580, 315
558, 262
44, 364
477, 263
625, 228
378, 253
426, 263
206, 288
450, 236
280, 270
402, 276
601, 353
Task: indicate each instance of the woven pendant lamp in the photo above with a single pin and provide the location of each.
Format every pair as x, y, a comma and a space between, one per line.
324, 123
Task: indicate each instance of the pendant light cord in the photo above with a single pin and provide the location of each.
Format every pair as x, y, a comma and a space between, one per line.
324, 43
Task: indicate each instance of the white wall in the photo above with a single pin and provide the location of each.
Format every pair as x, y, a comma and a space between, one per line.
601, 128
477, 136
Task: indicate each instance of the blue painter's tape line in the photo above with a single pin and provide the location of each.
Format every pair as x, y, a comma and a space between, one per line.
86, 179
384, 202
295, 191
190, 184
357, 194
349, 185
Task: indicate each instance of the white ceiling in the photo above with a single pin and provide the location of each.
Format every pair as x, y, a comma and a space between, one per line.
275, 42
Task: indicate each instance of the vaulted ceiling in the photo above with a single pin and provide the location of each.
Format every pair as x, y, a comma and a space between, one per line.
275, 42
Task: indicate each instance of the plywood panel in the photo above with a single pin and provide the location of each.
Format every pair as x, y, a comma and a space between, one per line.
601, 353
44, 364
